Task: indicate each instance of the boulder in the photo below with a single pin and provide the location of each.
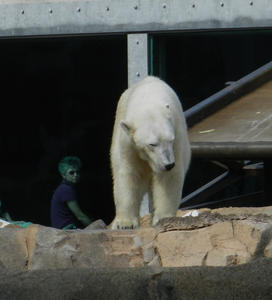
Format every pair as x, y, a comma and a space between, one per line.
249, 281
98, 224
220, 237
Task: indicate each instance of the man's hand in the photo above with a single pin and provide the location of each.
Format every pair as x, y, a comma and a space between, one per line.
79, 214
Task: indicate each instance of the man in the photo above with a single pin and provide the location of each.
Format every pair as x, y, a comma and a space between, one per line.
65, 211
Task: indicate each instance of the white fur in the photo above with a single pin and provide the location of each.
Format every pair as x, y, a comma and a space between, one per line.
149, 133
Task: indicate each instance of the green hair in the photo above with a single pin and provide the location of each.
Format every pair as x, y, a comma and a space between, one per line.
68, 162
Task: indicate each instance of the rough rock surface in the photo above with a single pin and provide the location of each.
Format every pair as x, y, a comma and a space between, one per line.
245, 282
221, 237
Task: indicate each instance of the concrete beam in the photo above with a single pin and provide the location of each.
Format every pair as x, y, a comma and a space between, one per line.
137, 57
27, 18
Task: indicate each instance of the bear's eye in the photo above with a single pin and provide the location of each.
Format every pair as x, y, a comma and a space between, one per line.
153, 145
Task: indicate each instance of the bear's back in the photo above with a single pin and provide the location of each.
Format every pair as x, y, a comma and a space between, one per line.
149, 95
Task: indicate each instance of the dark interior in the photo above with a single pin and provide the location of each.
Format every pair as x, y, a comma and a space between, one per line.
59, 97
199, 64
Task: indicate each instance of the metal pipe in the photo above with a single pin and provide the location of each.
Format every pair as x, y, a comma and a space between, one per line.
203, 188
233, 150
228, 94
245, 198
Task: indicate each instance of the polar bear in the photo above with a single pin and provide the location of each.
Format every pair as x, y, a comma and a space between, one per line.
150, 152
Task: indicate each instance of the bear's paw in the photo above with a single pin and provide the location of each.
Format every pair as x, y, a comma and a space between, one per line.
125, 223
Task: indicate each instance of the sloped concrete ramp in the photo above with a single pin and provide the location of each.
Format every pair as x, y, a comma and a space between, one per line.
243, 129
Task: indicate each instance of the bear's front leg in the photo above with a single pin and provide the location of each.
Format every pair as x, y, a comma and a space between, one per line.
127, 198
167, 191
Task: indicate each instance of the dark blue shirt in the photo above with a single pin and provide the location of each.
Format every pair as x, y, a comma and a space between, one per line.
61, 215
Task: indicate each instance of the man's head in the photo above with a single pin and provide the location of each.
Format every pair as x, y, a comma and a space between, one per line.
69, 168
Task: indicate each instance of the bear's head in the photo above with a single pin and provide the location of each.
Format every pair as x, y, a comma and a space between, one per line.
154, 142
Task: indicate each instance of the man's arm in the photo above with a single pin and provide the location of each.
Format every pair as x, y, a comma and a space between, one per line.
79, 214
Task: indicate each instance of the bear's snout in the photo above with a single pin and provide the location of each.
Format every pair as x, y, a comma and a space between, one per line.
169, 166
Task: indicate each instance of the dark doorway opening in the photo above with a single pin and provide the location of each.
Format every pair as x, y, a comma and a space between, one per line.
58, 98
199, 64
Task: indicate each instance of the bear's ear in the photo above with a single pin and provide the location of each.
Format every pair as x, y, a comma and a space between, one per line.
126, 127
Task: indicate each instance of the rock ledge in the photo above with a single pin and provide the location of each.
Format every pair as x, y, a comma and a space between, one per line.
221, 237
